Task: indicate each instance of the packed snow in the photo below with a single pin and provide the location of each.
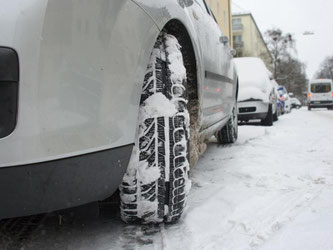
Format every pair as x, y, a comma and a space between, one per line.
272, 189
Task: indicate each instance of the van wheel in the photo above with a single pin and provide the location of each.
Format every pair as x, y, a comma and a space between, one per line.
156, 184
268, 121
229, 133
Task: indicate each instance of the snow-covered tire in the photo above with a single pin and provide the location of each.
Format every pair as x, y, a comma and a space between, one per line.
229, 133
156, 184
268, 121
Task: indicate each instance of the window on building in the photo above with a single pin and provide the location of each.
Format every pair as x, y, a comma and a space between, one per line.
237, 38
237, 41
237, 24
236, 21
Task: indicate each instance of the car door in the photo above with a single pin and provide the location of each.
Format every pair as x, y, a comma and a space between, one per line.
217, 88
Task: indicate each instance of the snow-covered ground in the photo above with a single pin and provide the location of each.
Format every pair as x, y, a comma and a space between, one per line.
272, 189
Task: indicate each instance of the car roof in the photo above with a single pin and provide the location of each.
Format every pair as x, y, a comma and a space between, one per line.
320, 80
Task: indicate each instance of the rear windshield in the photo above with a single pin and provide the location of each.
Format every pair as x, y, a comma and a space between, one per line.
320, 87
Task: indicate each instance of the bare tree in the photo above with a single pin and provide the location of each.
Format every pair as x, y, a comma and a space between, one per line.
278, 44
287, 69
326, 68
291, 73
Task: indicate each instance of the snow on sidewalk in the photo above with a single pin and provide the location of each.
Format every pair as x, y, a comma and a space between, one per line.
271, 190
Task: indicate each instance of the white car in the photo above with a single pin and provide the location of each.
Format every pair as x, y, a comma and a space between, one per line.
96, 95
295, 103
256, 94
320, 94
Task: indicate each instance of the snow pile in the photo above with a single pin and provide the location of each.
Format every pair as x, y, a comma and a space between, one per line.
176, 66
158, 105
254, 82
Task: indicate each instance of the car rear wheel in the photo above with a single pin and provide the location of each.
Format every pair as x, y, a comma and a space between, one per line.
156, 184
268, 121
229, 133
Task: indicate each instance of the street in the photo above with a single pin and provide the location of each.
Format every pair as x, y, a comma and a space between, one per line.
272, 189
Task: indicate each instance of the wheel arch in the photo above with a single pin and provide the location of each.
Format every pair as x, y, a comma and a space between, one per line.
178, 29
192, 64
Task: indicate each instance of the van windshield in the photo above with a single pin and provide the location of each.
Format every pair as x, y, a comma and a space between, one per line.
320, 87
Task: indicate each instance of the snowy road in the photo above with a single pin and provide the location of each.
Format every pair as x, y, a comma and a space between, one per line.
273, 189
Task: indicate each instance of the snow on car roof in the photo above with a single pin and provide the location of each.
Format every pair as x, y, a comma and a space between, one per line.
320, 80
251, 71
253, 78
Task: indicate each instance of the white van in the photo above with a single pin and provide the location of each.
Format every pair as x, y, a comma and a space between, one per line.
320, 94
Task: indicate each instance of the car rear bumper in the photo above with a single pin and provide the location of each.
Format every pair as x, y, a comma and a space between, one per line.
54, 185
320, 104
256, 116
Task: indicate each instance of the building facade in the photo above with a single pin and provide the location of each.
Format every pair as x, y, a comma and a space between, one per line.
248, 40
222, 13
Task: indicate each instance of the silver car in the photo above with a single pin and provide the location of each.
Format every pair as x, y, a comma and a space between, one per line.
96, 95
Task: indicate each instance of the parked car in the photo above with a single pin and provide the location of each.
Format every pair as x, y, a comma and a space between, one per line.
104, 94
320, 94
279, 103
285, 99
295, 103
256, 93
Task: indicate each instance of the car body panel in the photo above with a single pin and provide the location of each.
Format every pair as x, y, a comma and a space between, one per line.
82, 64
59, 184
79, 70
252, 110
216, 74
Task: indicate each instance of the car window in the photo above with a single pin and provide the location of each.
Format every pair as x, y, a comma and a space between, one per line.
320, 88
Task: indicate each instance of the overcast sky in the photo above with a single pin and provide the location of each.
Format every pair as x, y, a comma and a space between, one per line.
297, 16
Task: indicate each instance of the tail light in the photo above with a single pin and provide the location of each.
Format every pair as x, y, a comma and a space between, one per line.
9, 79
